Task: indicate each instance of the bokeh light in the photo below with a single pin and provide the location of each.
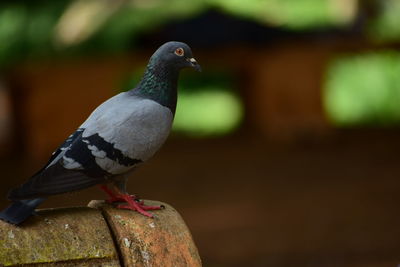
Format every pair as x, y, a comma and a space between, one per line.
208, 112
364, 89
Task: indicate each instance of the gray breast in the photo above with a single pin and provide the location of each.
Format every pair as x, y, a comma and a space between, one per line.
135, 126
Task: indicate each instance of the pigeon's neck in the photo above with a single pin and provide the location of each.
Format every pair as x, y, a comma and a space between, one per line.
159, 83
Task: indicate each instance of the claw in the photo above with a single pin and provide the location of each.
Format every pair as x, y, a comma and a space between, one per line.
141, 202
132, 204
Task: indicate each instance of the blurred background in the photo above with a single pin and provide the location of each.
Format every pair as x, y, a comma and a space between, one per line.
285, 149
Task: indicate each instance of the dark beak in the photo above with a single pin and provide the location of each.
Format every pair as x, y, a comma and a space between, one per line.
194, 64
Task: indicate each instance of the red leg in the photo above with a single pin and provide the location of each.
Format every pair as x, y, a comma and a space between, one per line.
112, 197
133, 203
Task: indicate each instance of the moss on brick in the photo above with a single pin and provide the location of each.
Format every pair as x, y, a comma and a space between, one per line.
58, 235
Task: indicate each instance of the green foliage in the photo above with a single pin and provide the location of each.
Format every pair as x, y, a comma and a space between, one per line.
26, 30
293, 14
29, 28
364, 90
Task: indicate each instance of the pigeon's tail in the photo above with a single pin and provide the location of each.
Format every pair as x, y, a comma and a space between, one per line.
20, 210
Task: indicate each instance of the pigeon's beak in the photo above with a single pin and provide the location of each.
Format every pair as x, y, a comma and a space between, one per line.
194, 64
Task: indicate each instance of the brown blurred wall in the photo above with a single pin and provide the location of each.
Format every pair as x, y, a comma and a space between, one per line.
57, 97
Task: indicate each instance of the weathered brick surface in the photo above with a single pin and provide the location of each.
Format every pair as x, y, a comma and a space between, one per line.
59, 237
160, 241
99, 235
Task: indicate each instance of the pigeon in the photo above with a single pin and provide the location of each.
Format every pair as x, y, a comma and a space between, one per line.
117, 137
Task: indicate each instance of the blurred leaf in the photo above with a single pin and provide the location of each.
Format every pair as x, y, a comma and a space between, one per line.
364, 90
293, 14
208, 112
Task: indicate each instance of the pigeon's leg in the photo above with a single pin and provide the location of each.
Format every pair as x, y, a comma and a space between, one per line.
118, 193
112, 197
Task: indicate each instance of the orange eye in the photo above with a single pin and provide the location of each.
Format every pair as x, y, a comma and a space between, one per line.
179, 52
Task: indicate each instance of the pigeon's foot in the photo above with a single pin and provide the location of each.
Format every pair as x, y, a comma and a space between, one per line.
138, 205
132, 202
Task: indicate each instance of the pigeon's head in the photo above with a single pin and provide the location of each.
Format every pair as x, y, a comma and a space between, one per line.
175, 55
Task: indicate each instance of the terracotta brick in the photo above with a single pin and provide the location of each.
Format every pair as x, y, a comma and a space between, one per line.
163, 240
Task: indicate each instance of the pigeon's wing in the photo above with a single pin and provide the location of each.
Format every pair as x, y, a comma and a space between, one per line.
55, 178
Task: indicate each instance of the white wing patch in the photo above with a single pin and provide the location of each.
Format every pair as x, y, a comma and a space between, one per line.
113, 167
97, 152
70, 163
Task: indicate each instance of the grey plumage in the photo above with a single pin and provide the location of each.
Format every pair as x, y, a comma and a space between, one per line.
119, 135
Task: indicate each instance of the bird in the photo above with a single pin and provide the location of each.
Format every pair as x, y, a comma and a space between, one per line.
118, 136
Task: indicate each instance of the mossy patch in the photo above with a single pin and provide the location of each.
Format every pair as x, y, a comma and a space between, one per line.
57, 235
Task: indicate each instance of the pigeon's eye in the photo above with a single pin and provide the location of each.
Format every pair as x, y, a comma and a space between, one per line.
179, 52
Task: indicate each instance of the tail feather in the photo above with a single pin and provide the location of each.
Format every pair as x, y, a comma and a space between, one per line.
20, 210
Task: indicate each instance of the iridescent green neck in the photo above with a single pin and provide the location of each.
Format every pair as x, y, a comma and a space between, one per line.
159, 83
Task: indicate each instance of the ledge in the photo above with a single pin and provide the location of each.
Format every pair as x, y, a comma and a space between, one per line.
99, 235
